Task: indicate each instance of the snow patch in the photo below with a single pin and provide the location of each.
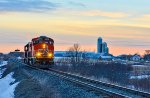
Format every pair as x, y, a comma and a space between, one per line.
2, 70
140, 77
139, 65
19, 58
7, 90
4, 63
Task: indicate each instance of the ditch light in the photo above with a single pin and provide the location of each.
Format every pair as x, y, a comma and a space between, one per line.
38, 54
50, 55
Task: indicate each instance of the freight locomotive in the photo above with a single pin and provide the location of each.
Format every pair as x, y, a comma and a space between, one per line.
40, 52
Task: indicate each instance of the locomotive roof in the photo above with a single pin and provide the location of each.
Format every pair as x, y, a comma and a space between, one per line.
42, 37
28, 43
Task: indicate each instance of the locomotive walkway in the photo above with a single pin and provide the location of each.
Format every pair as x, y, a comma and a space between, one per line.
100, 88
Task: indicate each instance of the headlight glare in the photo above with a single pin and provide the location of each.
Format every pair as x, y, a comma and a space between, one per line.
38, 54
50, 55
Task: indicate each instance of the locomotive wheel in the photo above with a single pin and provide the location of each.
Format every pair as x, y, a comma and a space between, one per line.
32, 62
25, 61
28, 61
48, 63
44, 62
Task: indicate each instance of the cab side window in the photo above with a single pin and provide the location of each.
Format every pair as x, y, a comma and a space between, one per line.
51, 43
35, 42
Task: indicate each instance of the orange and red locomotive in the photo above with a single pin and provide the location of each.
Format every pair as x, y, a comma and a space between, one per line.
40, 52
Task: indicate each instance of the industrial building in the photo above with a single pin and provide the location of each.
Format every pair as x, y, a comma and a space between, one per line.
102, 47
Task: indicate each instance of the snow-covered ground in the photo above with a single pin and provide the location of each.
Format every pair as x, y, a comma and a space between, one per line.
140, 77
6, 89
19, 58
3, 63
138, 65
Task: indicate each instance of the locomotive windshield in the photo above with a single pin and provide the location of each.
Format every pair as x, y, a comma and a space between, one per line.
35, 42
43, 40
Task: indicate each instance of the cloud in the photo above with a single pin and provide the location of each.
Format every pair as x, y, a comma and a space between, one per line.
78, 4
129, 42
26, 5
144, 18
105, 14
94, 13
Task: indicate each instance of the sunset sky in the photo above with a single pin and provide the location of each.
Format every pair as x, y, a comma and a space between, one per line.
123, 24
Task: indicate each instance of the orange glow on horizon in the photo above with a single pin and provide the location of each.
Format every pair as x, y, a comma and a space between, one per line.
17, 27
115, 50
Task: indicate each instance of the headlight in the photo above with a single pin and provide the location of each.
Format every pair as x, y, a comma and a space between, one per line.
38, 54
50, 55
44, 46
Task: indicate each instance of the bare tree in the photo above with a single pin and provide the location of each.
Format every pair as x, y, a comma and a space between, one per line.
74, 52
70, 53
147, 55
147, 52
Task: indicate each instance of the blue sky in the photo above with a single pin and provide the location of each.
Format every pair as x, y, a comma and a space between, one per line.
129, 6
124, 24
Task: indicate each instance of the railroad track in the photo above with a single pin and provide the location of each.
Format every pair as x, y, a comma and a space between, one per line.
121, 91
104, 89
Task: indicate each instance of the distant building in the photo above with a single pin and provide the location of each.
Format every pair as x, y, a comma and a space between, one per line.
107, 50
59, 53
17, 50
136, 57
83, 55
99, 45
102, 47
106, 58
124, 57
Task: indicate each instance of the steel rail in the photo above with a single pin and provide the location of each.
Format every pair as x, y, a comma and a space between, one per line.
119, 88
